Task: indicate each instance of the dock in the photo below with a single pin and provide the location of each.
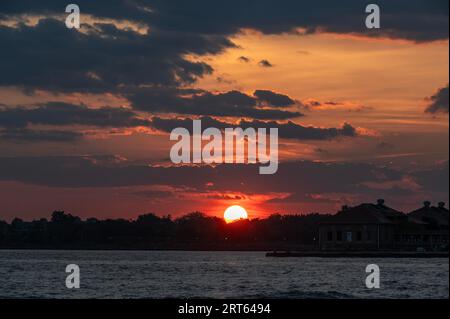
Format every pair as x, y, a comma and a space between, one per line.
357, 254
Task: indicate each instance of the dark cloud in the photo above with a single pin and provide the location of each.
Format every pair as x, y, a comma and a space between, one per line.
291, 130
117, 9
305, 181
313, 103
265, 64
107, 59
16, 123
244, 59
225, 197
303, 198
58, 113
28, 136
224, 79
197, 102
51, 57
308, 177
439, 102
274, 99
419, 20
332, 103
288, 130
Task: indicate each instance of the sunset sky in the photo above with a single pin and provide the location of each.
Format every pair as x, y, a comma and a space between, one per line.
85, 115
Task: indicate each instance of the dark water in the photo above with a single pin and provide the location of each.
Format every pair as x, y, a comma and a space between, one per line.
139, 274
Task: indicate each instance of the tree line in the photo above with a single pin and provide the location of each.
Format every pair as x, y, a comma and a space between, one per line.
195, 231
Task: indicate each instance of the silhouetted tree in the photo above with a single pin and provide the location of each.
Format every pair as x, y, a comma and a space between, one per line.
65, 228
194, 230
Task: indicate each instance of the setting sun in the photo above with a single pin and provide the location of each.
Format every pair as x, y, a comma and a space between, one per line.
234, 213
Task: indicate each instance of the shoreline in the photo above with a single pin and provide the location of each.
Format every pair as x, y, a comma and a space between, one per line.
270, 254
362, 254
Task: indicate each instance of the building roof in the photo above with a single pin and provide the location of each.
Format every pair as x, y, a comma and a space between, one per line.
427, 213
367, 214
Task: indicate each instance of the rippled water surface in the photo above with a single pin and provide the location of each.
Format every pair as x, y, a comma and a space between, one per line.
142, 274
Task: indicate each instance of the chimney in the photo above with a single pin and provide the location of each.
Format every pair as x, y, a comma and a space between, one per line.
427, 204
441, 205
380, 202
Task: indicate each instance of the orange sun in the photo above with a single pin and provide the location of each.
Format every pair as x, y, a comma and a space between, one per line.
235, 213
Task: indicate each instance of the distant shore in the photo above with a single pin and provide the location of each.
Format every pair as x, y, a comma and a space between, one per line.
273, 253
263, 247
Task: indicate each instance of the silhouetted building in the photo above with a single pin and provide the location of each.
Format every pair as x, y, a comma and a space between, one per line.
379, 227
436, 232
